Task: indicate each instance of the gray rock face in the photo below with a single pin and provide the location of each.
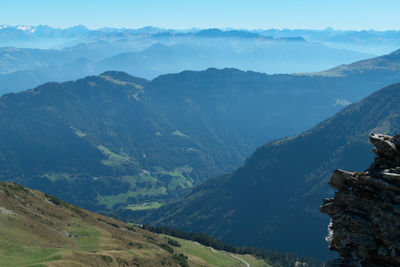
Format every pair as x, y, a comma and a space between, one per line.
365, 211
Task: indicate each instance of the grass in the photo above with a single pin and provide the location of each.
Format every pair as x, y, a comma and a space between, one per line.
204, 253
337, 72
53, 177
180, 181
89, 240
114, 159
44, 234
178, 178
253, 261
216, 257
78, 132
110, 201
110, 79
88, 237
20, 256
150, 187
148, 179
11, 235
144, 206
178, 133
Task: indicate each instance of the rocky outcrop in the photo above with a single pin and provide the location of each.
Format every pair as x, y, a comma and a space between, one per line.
365, 211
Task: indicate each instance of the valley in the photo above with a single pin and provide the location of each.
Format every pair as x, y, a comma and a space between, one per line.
114, 144
117, 142
197, 145
282, 183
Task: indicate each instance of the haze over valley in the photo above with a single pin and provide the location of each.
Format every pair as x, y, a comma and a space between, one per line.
194, 142
72, 53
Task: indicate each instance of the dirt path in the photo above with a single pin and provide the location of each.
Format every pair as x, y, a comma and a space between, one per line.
242, 260
233, 256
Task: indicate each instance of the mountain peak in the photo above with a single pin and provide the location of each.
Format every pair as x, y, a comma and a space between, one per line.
396, 52
229, 33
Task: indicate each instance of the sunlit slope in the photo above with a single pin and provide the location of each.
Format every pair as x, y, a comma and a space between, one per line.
373, 66
39, 230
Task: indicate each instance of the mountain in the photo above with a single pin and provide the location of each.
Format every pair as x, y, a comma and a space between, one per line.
273, 199
228, 33
206, 49
366, 41
25, 79
109, 131
42, 36
389, 62
150, 52
75, 62
37, 228
16, 59
150, 57
115, 140
40, 230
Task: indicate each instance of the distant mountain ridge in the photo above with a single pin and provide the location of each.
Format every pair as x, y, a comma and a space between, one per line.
152, 55
365, 41
75, 52
81, 33
389, 62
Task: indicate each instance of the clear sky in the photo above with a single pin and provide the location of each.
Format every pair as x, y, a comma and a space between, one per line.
183, 14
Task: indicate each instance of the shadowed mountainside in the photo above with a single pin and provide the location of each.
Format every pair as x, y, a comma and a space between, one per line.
272, 200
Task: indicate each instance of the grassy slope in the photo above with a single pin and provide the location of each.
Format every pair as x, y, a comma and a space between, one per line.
38, 230
203, 254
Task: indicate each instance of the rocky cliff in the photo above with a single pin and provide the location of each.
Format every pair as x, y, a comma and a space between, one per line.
365, 211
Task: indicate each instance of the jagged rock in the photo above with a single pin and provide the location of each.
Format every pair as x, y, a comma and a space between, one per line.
383, 143
365, 211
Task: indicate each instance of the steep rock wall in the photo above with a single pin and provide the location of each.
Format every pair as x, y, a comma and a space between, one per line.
365, 211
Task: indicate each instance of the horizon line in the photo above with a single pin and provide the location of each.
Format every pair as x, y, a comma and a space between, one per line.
329, 28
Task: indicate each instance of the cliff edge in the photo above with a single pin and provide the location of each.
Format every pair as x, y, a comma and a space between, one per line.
365, 211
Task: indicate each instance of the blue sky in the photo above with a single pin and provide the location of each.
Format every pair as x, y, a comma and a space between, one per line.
183, 14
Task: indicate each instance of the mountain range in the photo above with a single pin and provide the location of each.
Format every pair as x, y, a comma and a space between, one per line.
127, 146
125, 141
153, 53
164, 55
30, 56
234, 110
43, 36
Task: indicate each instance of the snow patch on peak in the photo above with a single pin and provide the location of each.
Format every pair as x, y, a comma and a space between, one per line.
24, 28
